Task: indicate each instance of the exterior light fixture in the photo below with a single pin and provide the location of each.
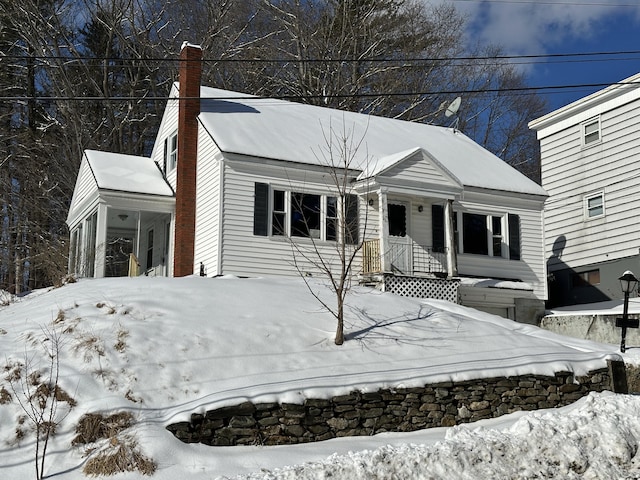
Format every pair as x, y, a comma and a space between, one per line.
628, 283
123, 216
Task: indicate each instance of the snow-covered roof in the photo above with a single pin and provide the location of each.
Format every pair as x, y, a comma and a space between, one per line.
127, 173
278, 129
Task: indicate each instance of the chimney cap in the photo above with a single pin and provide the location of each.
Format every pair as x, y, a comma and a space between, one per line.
186, 44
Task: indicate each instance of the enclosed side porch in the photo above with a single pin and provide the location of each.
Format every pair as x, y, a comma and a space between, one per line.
116, 240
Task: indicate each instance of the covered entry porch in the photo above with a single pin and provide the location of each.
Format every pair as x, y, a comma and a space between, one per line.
409, 236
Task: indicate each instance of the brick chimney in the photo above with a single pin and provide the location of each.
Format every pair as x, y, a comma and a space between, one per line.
189, 108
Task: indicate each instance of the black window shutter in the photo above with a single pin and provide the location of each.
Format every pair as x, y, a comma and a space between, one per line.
352, 224
514, 237
261, 209
437, 228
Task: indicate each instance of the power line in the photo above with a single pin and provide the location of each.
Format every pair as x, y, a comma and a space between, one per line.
515, 90
327, 60
538, 2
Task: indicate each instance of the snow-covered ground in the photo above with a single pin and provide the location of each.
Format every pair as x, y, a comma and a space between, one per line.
162, 349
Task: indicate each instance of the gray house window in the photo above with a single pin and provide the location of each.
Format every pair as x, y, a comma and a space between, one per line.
594, 205
591, 132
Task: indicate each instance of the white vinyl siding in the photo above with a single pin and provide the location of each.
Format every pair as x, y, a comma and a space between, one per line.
246, 254
208, 185
417, 167
531, 266
168, 126
570, 175
85, 194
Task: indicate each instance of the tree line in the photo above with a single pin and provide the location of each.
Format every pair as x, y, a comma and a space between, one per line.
92, 74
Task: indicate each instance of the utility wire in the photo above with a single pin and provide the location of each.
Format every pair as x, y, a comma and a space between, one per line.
538, 2
336, 96
326, 60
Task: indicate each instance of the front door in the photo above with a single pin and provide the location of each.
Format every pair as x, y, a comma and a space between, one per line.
399, 241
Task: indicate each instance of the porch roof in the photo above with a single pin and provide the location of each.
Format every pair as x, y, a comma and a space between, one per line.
127, 173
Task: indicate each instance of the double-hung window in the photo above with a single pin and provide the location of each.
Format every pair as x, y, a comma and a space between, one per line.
170, 152
307, 215
591, 132
594, 205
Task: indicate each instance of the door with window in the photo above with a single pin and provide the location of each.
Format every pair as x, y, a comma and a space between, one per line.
400, 255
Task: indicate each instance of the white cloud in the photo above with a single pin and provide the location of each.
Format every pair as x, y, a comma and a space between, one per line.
527, 26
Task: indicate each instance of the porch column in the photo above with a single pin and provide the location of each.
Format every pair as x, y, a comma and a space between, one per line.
384, 229
450, 241
101, 240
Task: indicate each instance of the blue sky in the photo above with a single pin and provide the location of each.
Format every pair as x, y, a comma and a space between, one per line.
533, 27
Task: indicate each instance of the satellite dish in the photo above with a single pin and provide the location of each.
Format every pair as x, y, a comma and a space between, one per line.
453, 107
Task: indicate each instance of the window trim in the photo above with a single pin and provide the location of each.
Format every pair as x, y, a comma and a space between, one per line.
588, 209
584, 135
264, 204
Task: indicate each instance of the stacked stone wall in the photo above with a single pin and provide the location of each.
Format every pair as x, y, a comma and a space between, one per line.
387, 410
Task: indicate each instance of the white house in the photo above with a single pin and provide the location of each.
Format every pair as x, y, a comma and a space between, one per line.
432, 212
591, 169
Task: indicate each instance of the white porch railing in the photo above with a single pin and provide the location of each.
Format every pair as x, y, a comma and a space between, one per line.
404, 256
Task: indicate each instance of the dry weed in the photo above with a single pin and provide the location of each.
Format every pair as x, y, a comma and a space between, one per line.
5, 396
119, 457
60, 318
121, 344
95, 426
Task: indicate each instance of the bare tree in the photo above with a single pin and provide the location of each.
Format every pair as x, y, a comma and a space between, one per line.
341, 159
40, 396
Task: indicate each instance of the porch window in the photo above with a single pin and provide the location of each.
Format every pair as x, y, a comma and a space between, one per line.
149, 262
304, 215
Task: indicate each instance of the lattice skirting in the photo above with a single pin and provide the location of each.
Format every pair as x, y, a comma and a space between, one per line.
438, 288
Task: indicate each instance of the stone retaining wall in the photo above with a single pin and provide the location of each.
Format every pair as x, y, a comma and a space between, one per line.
399, 410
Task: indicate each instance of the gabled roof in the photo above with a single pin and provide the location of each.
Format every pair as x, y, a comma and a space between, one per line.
127, 173
277, 129
608, 98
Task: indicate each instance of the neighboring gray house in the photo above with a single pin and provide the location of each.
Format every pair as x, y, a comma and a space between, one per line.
436, 213
590, 153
